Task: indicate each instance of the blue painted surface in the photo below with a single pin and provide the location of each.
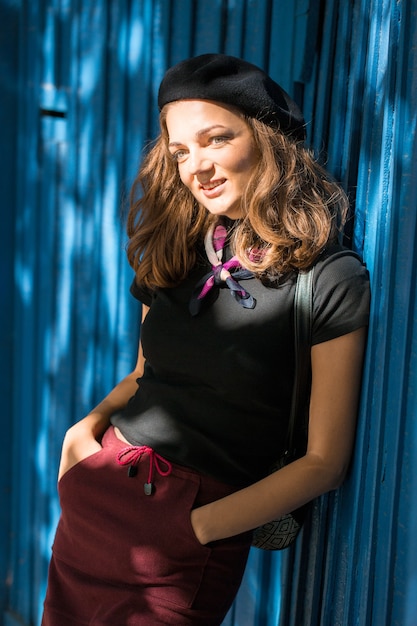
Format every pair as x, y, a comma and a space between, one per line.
8, 157
79, 86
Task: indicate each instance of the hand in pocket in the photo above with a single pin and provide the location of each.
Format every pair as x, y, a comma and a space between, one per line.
79, 443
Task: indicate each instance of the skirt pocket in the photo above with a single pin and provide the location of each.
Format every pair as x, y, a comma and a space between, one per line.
169, 560
88, 460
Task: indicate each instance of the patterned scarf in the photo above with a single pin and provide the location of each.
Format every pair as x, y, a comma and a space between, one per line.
220, 273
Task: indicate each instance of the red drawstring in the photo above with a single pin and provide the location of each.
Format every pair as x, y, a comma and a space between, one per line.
131, 456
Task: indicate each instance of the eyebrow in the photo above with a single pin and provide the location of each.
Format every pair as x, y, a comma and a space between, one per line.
199, 133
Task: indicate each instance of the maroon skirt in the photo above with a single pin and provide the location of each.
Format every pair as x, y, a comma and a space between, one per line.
125, 558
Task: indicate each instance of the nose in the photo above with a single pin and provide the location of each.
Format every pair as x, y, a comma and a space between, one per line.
198, 163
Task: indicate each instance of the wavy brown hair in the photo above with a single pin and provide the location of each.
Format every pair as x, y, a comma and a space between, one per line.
291, 210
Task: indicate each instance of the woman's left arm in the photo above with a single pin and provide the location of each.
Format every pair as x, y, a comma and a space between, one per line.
336, 380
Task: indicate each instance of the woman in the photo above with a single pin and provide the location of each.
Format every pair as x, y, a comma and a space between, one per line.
228, 206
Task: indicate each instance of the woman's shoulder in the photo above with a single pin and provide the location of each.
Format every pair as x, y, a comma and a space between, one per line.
141, 293
341, 293
339, 262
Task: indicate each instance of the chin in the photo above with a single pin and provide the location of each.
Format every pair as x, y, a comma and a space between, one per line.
233, 213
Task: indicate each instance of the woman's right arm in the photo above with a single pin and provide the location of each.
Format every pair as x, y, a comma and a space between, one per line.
82, 439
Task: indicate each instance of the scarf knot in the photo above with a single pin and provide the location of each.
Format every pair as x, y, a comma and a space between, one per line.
221, 273
217, 274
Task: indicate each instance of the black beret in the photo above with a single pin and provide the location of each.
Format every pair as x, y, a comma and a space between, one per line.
236, 82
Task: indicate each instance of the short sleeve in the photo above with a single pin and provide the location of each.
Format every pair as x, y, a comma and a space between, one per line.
341, 295
141, 293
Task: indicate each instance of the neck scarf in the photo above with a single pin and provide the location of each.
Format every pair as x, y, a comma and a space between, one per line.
221, 273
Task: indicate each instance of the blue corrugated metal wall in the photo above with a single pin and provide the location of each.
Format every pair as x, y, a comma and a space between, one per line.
79, 79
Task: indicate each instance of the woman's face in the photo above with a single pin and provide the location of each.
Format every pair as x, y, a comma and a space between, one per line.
215, 153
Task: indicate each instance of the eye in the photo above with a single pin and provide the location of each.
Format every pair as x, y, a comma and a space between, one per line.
179, 155
219, 140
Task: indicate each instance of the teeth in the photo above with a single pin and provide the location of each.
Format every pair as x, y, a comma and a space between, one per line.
209, 186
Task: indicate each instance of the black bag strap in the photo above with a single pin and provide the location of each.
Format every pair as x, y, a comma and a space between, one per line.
303, 321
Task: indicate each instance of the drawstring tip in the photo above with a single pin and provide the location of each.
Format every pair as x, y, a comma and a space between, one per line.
132, 471
148, 489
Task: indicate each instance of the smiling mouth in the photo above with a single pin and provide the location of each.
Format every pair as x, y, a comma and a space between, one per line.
212, 185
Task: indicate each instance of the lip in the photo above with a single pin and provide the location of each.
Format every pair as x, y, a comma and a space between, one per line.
213, 189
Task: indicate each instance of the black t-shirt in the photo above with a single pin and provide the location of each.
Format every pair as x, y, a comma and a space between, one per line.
216, 390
